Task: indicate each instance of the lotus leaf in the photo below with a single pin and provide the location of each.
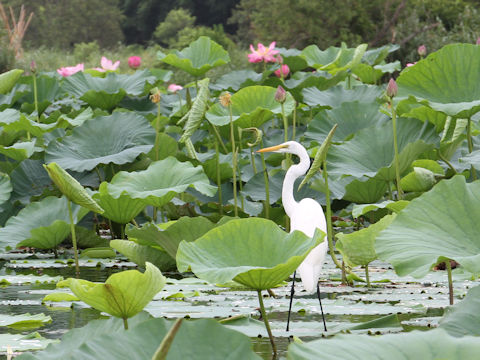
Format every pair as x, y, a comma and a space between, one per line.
445, 80
425, 345
363, 190
104, 252
121, 209
24, 321
371, 153
59, 297
186, 228
48, 90
107, 92
118, 138
236, 80
464, 318
418, 180
395, 206
141, 254
161, 181
43, 224
200, 56
5, 188
350, 117
8, 80
336, 96
14, 120
19, 151
358, 248
29, 179
20, 342
71, 188
123, 295
440, 224
254, 252
251, 107
317, 58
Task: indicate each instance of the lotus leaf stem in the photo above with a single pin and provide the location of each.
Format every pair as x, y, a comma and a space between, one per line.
395, 148
448, 266
35, 96
470, 146
125, 323
219, 138
157, 131
367, 276
445, 160
74, 239
267, 187
162, 351
294, 121
234, 162
219, 180
288, 157
265, 320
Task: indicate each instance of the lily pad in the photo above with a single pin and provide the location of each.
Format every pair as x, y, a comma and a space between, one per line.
200, 56
118, 139
253, 252
440, 224
19, 342
160, 183
123, 295
24, 321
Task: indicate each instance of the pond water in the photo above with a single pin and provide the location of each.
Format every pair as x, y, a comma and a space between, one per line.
418, 304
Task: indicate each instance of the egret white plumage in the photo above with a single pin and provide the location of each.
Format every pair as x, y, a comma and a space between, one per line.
306, 216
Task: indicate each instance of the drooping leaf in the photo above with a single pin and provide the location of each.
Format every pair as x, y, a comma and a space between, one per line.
251, 107
5, 188
200, 56
118, 138
160, 182
8, 80
123, 295
445, 80
19, 151
440, 224
197, 111
253, 252
419, 180
425, 345
71, 188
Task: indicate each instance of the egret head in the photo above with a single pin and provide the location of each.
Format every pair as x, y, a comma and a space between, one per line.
291, 147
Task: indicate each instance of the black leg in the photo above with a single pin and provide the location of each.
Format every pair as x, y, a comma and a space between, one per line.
292, 292
321, 308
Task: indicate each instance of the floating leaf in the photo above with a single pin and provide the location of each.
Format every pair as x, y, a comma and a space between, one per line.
60, 296
440, 224
123, 295
141, 254
24, 321
118, 138
254, 252
200, 56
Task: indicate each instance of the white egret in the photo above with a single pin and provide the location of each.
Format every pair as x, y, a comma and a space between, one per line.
306, 216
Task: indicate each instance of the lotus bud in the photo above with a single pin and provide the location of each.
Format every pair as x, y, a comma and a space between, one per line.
422, 51
392, 88
134, 62
155, 96
226, 99
279, 59
478, 40
33, 67
280, 95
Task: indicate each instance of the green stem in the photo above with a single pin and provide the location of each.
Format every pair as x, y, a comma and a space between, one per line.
285, 133
367, 275
35, 96
265, 320
294, 121
234, 162
157, 130
219, 180
445, 160
162, 351
125, 323
180, 97
349, 82
74, 239
267, 186
470, 146
239, 172
219, 138
395, 147
448, 266
329, 218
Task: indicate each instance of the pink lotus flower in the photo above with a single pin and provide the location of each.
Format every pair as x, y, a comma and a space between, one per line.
392, 88
108, 65
262, 53
70, 70
174, 88
283, 71
411, 64
134, 62
422, 50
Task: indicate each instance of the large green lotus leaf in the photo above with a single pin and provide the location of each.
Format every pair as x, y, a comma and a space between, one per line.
472, 158
371, 152
440, 224
105, 93
200, 56
6, 101
317, 58
377, 55
121, 209
161, 182
74, 339
358, 248
43, 224
337, 95
254, 252
235, 80
412, 109
18, 151
13, 120
48, 90
322, 80
118, 138
346, 59
29, 179
5, 188
350, 117
446, 80
24, 321
251, 107
395, 206
426, 345
464, 317
71, 188
8, 79
123, 295
186, 228
364, 190
203, 339
141, 254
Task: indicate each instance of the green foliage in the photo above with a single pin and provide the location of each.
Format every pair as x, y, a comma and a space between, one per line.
166, 33
84, 51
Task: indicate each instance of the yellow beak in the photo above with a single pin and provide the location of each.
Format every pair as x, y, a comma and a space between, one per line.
272, 148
